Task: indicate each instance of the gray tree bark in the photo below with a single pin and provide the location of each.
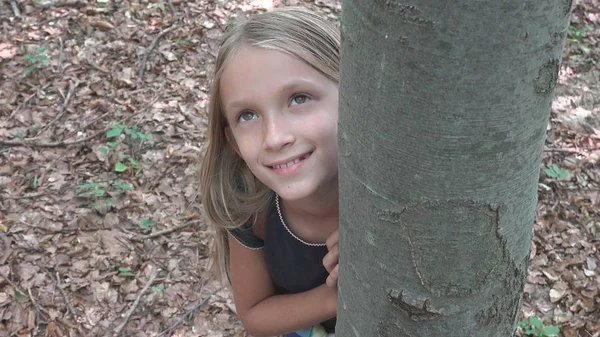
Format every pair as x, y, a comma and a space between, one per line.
443, 112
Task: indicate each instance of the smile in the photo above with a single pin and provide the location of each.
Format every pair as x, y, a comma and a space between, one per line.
290, 165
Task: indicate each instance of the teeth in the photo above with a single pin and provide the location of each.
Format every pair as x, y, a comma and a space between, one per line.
287, 164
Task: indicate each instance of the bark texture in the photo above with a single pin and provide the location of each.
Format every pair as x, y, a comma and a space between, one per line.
443, 112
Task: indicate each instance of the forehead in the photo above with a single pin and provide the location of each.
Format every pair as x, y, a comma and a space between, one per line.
254, 72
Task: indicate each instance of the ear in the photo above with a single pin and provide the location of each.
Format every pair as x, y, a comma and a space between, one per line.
231, 140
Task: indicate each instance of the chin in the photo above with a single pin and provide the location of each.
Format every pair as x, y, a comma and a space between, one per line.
294, 192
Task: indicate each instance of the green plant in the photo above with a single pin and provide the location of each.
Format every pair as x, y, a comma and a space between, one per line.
135, 134
100, 191
36, 60
533, 326
160, 5
125, 272
35, 182
158, 289
147, 223
555, 172
576, 34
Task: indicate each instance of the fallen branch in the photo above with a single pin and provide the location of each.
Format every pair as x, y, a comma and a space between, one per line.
90, 123
56, 281
25, 102
34, 142
74, 4
39, 310
152, 46
563, 150
135, 304
188, 313
173, 11
163, 232
63, 109
27, 196
15, 7
60, 56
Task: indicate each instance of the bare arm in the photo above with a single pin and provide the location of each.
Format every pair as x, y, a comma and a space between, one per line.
262, 312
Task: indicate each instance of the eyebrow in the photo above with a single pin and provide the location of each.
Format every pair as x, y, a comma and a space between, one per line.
290, 86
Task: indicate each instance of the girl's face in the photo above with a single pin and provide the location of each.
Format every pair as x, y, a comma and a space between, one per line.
282, 120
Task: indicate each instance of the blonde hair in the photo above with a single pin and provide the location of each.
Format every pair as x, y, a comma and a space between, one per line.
231, 194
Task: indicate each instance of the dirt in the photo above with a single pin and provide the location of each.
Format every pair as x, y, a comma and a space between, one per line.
102, 122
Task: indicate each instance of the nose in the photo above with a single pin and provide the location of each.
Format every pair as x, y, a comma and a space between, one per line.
278, 132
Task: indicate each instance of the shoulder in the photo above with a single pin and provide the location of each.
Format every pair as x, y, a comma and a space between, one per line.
252, 234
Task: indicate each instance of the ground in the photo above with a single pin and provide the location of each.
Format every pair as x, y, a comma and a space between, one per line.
102, 120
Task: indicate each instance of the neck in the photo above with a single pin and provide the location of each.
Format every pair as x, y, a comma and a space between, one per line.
323, 206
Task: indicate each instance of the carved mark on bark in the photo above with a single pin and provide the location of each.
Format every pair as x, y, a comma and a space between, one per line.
406, 13
547, 77
452, 243
387, 329
418, 309
389, 215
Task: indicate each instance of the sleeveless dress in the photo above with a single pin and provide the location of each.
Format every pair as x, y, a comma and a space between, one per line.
294, 266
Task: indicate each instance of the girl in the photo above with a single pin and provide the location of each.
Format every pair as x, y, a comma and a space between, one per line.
269, 177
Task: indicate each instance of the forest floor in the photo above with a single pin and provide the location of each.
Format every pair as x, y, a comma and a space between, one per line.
102, 121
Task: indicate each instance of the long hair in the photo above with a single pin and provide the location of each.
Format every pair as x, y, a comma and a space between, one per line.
231, 194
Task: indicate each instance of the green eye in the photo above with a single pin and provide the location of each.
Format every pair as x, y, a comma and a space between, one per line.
247, 116
299, 99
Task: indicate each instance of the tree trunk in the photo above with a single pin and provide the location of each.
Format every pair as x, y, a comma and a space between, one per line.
443, 112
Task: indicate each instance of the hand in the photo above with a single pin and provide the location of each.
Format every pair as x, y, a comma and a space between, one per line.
331, 260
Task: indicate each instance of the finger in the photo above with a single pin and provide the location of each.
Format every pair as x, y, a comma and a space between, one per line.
333, 239
331, 259
333, 277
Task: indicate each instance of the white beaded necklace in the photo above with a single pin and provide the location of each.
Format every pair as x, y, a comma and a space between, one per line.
289, 231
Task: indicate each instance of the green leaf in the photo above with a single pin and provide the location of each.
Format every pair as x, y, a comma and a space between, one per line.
99, 192
535, 322
550, 330
112, 145
120, 167
124, 271
115, 131
147, 223
158, 289
87, 186
123, 187
103, 150
34, 183
550, 173
530, 332
20, 296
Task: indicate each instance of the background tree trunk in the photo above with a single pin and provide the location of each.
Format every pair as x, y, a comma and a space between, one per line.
443, 112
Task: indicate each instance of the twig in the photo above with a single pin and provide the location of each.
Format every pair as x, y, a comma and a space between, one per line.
40, 311
60, 55
173, 11
15, 8
188, 313
63, 109
90, 123
27, 100
152, 46
100, 69
135, 304
41, 24
74, 4
163, 232
56, 281
33, 142
28, 196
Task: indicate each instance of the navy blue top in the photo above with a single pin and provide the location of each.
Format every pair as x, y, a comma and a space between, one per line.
294, 267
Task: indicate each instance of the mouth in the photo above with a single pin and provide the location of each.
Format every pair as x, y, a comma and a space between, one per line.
290, 163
